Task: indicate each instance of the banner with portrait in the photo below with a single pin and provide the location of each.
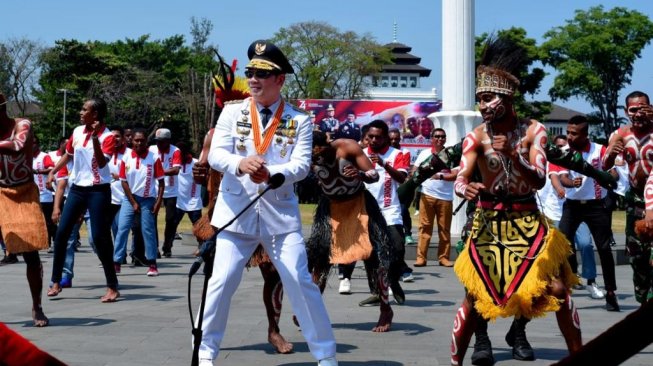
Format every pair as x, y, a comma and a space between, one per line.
409, 117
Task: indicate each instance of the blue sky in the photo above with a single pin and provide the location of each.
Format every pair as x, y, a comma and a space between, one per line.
237, 24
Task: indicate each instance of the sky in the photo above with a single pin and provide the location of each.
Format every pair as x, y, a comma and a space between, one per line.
237, 24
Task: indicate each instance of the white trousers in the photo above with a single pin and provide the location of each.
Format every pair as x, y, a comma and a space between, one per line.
288, 254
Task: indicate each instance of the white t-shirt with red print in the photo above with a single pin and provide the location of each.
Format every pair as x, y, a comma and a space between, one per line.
42, 161
589, 188
141, 173
117, 193
169, 159
188, 193
385, 190
86, 171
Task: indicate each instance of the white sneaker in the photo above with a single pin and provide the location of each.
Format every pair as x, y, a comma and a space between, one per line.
206, 362
416, 213
595, 291
407, 277
345, 286
331, 361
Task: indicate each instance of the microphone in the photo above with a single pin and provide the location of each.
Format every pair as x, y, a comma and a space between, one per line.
208, 247
276, 181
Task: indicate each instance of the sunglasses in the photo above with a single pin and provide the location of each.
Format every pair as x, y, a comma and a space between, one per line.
634, 110
260, 74
439, 136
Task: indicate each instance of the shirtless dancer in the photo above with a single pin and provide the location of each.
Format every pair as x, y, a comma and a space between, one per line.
633, 142
508, 229
348, 224
24, 230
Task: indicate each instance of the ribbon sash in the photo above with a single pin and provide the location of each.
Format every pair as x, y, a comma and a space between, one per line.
263, 146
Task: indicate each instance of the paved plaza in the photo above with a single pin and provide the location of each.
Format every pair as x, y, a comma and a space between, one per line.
150, 325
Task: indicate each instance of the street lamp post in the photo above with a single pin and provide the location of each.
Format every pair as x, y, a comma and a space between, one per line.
65, 94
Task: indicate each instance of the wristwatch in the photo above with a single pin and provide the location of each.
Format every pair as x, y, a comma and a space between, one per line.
440, 176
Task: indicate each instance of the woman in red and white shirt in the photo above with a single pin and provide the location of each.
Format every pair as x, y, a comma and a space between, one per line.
91, 145
140, 170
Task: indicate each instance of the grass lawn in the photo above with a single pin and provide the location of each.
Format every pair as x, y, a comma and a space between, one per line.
307, 211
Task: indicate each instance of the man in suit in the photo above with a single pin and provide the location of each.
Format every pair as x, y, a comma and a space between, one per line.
348, 129
253, 140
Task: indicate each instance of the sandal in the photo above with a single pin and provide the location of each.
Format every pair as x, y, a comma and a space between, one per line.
52, 291
105, 299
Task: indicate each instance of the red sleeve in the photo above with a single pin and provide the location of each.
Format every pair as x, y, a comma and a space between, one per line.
47, 162
401, 162
62, 173
122, 174
604, 149
158, 169
176, 158
557, 169
69, 146
407, 158
108, 145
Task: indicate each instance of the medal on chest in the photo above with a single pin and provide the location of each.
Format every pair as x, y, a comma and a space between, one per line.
243, 127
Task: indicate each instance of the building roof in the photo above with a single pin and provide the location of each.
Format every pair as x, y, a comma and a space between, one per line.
561, 114
403, 62
30, 110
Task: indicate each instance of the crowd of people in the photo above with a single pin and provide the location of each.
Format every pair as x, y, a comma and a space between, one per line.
531, 207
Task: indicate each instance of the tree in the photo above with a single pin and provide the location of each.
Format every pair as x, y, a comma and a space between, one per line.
329, 63
19, 60
530, 78
594, 54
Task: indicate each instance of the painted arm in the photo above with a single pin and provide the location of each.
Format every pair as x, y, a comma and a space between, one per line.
17, 143
462, 186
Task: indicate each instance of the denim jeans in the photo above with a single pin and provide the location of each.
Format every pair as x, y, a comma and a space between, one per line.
148, 227
97, 200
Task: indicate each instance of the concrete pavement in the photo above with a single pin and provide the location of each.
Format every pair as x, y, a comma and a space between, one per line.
150, 325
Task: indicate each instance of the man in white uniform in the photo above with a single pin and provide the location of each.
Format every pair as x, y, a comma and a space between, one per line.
253, 140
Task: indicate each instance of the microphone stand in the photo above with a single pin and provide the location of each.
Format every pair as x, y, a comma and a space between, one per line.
208, 270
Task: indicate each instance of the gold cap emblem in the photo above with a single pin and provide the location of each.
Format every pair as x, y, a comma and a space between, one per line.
259, 49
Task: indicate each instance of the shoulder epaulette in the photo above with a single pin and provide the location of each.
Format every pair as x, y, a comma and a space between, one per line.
234, 101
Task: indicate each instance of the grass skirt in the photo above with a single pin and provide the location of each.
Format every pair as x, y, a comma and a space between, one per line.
510, 278
22, 222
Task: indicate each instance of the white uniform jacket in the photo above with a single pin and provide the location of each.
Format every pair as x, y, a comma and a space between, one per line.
277, 212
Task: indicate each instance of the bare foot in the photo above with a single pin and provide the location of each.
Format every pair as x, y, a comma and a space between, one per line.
111, 295
385, 320
39, 318
54, 290
281, 345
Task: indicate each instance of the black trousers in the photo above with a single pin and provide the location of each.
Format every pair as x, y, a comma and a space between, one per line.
169, 232
599, 220
47, 208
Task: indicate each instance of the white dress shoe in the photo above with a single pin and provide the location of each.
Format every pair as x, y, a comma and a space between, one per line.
206, 362
331, 361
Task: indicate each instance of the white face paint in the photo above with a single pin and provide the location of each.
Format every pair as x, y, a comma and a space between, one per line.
491, 106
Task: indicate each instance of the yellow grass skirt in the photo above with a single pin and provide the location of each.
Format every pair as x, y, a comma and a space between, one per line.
511, 279
22, 222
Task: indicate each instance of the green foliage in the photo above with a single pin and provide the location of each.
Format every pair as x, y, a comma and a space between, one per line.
530, 77
143, 81
329, 63
594, 54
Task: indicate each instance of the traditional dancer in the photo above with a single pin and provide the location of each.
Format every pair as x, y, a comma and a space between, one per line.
24, 230
634, 143
508, 230
348, 224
